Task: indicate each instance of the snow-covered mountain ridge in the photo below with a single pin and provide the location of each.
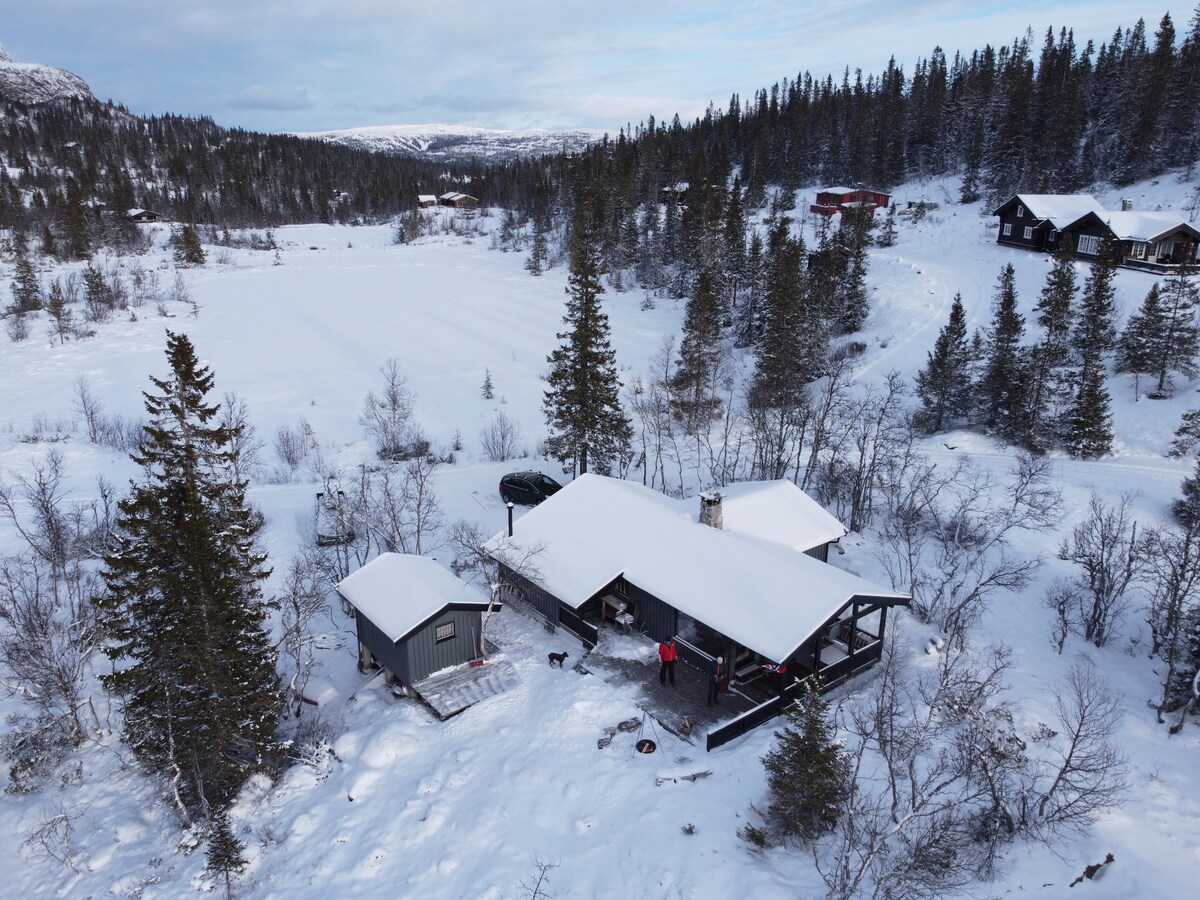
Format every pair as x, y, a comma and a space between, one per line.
35, 83
459, 141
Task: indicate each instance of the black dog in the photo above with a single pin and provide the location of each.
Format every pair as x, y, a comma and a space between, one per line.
557, 658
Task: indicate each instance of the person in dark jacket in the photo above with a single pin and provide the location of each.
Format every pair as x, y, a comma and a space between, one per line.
666, 656
716, 672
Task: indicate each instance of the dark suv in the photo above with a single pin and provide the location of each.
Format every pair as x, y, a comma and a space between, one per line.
529, 488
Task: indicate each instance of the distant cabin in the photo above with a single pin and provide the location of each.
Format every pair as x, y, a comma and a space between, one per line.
843, 199
426, 200
142, 216
1152, 241
412, 616
458, 201
1036, 221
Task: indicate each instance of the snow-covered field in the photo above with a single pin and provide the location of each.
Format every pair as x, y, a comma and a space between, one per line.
414, 807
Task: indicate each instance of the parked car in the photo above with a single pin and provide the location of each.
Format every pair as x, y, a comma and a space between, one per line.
529, 488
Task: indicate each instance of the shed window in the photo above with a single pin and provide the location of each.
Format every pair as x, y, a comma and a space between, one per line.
1020, 212
1028, 233
1089, 243
1007, 229
444, 632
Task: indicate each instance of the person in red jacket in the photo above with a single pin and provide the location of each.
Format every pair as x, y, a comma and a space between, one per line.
666, 656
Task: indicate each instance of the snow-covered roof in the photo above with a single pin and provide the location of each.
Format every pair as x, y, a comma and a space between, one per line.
837, 189
776, 511
399, 591
426, 198
761, 593
1061, 209
1145, 226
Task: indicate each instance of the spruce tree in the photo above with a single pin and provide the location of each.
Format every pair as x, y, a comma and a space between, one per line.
788, 355
26, 290
183, 609
1186, 508
59, 311
582, 403
1135, 351
1095, 332
1049, 375
1174, 346
808, 776
224, 857
696, 372
944, 385
188, 249
887, 234
1002, 393
1089, 421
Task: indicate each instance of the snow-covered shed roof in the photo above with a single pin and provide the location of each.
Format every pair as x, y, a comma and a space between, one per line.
761, 593
1060, 209
398, 592
1132, 225
837, 189
426, 198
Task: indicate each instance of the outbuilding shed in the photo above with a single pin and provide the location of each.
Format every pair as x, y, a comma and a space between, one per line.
413, 617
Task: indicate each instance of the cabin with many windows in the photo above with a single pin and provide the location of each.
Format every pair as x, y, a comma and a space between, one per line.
1036, 221
741, 574
1154, 241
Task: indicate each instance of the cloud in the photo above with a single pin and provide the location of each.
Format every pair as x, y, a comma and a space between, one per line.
280, 99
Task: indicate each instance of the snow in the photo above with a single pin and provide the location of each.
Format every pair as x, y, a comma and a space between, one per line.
30, 83
777, 511
411, 806
452, 141
764, 595
397, 592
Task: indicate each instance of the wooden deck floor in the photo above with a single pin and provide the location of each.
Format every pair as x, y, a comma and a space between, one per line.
633, 660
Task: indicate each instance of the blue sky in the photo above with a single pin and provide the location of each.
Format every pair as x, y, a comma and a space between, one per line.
308, 65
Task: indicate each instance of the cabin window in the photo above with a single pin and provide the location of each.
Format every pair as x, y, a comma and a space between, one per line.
444, 632
1138, 250
1008, 229
1089, 243
1020, 212
1028, 232
1166, 250
1054, 234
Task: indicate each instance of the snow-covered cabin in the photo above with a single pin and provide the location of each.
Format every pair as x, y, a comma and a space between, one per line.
458, 200
738, 574
142, 216
412, 616
1036, 221
1156, 241
426, 200
835, 199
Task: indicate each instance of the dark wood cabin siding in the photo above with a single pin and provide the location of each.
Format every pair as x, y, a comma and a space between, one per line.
820, 552
654, 617
426, 655
519, 588
386, 652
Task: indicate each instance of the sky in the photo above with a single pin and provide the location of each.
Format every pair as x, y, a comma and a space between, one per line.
315, 65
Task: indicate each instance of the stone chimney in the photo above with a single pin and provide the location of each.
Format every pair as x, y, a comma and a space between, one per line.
710, 510
1126, 205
